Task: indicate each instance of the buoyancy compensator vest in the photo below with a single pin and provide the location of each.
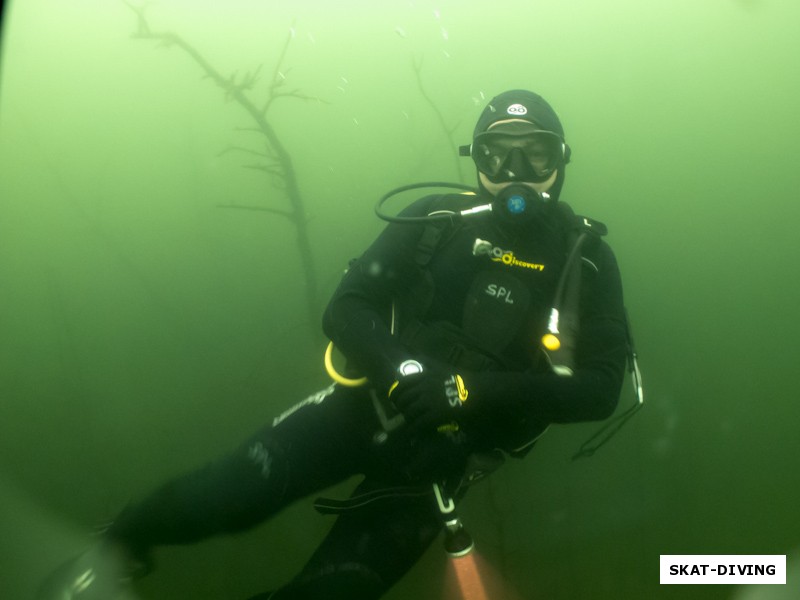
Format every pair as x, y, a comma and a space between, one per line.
478, 344
487, 327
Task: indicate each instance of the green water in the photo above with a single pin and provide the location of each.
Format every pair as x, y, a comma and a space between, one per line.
145, 329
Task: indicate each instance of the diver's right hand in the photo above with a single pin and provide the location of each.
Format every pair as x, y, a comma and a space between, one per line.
430, 400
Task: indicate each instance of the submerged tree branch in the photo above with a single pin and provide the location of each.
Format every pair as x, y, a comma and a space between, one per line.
274, 211
446, 129
235, 89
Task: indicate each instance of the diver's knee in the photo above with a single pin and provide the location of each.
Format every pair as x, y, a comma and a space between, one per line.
254, 483
265, 458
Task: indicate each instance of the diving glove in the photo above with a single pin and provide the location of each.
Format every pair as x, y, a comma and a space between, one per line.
430, 400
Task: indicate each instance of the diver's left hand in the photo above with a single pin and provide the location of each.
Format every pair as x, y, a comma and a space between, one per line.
430, 400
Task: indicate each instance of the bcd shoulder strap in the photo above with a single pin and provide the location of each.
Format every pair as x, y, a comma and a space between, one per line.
414, 302
435, 229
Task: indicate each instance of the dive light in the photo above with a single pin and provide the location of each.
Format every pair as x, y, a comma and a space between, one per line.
457, 540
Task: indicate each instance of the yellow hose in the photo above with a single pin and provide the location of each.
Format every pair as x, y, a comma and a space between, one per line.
335, 375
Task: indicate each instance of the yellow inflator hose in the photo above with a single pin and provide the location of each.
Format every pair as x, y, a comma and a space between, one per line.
335, 375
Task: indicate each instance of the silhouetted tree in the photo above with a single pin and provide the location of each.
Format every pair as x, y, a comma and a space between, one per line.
273, 159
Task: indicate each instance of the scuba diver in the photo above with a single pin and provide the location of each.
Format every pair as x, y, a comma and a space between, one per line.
471, 323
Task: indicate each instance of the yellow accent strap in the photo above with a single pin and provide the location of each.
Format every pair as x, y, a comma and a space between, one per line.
463, 393
335, 375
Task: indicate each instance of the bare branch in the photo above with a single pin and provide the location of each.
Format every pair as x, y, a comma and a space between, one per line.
271, 169
250, 129
292, 94
242, 149
142, 28
274, 211
278, 77
448, 131
282, 171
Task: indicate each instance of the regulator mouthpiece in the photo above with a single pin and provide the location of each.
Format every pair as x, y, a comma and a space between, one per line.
519, 203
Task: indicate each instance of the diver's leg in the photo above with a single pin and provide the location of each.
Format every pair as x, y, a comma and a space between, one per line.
319, 442
367, 551
314, 446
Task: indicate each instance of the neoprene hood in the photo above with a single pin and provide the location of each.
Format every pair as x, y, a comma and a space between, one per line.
528, 106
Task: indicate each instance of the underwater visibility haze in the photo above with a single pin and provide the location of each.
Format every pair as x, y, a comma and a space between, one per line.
161, 294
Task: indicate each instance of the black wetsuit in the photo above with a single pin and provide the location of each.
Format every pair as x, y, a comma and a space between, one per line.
436, 293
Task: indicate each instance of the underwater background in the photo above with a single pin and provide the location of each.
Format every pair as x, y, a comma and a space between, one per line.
147, 325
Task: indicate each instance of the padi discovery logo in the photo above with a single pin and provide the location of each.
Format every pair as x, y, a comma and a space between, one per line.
497, 254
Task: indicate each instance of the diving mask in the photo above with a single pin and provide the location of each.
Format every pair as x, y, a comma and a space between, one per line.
517, 152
